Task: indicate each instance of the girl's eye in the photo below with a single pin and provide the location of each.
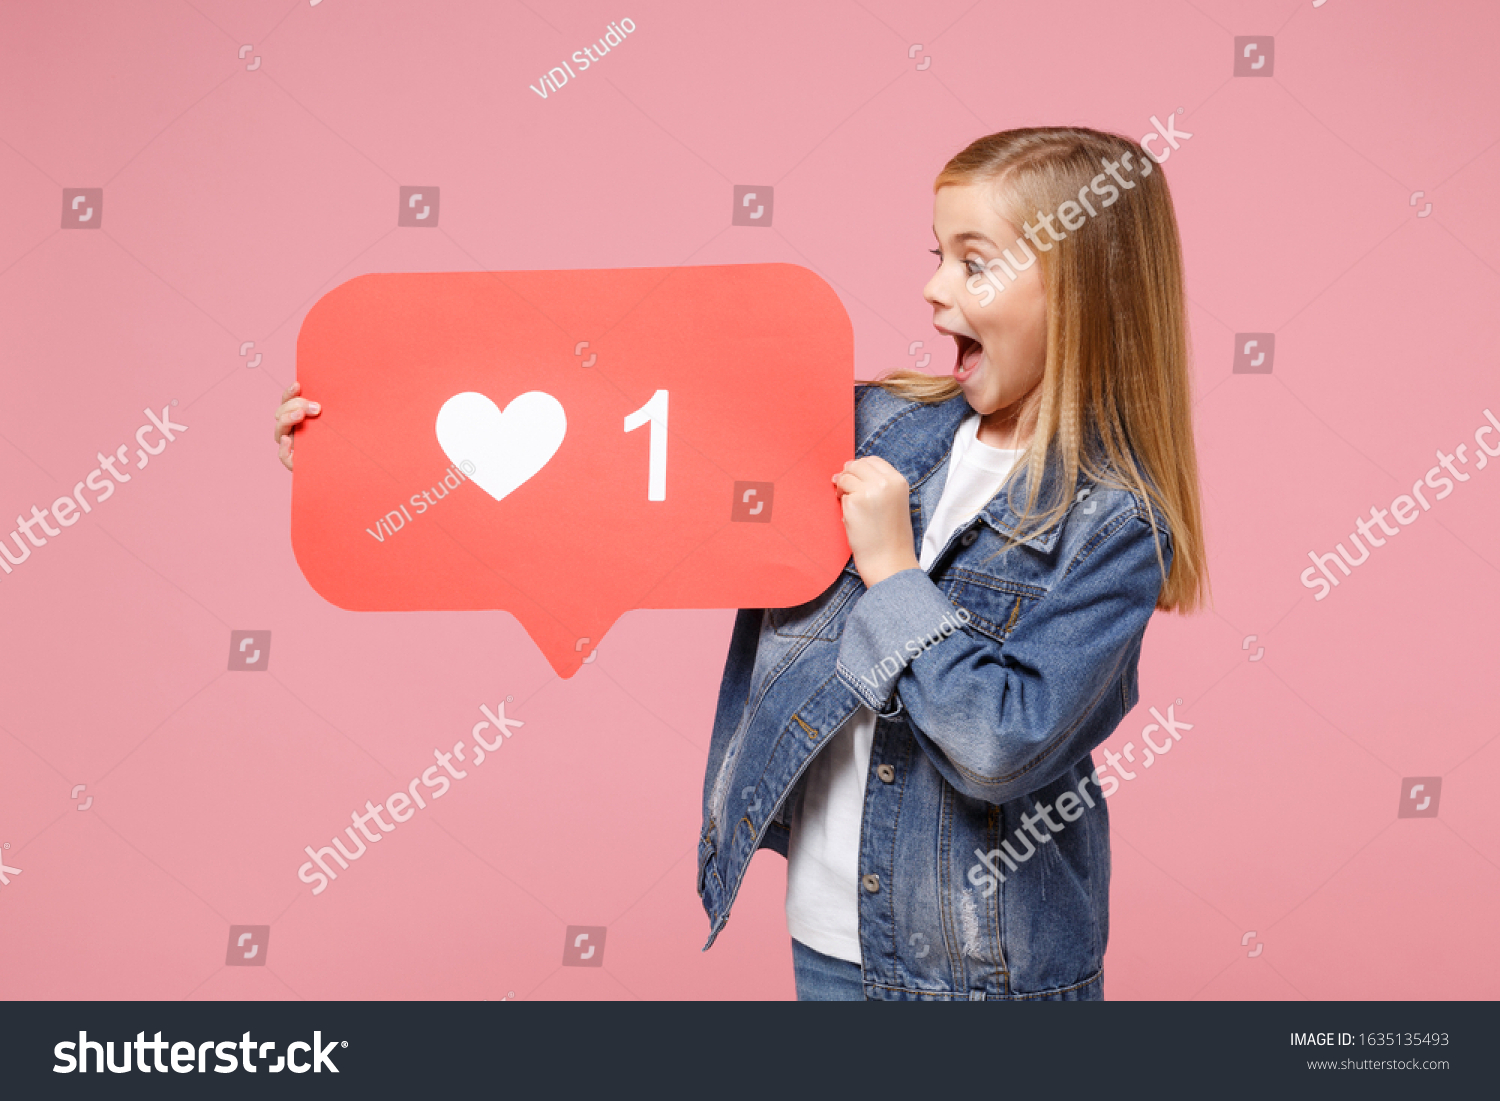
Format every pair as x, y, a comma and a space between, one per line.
969, 265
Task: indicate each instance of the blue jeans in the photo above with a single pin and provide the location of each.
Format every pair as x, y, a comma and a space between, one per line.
822, 978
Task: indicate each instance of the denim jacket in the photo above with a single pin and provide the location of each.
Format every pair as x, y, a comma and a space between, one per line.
984, 851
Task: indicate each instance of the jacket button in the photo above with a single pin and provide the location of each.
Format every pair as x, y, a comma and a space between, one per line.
969, 537
886, 773
871, 883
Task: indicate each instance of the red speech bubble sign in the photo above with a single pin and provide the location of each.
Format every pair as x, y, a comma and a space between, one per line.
569, 445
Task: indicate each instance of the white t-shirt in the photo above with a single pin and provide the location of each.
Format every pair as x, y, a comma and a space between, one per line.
822, 881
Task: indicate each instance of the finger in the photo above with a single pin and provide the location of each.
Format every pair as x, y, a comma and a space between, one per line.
287, 418
309, 406
284, 452
871, 471
853, 471
878, 474
294, 411
874, 468
291, 391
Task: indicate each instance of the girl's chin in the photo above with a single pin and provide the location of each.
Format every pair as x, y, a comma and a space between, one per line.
979, 397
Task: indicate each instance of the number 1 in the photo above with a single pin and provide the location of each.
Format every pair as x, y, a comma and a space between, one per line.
654, 411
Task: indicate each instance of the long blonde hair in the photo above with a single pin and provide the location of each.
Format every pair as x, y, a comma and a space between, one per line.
1117, 348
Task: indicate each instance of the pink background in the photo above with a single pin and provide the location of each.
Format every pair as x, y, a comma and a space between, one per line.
236, 197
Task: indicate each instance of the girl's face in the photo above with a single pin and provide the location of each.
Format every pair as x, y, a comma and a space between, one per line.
1002, 346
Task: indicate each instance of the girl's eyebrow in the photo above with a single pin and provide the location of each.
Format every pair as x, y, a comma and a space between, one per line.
966, 236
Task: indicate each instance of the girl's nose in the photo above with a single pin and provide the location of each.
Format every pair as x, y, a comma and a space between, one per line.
933, 291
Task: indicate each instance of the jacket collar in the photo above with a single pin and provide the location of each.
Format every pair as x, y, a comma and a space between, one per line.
918, 442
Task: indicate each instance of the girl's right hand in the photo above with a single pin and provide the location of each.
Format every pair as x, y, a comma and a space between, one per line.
289, 414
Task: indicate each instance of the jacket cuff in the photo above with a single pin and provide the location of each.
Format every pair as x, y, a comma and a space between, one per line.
889, 626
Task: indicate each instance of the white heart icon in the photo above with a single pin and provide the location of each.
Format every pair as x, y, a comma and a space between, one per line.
505, 449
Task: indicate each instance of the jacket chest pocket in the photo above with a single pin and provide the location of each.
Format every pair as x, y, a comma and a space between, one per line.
995, 604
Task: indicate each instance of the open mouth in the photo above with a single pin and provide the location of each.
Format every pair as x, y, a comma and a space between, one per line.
970, 351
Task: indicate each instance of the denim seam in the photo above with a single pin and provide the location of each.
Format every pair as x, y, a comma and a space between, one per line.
894, 832
739, 881
1094, 891
999, 584
1098, 539
990, 628
1035, 995
886, 425
855, 685
999, 912
774, 674
945, 912
889, 423
814, 630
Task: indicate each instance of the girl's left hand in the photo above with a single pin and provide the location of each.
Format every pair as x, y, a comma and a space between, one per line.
876, 501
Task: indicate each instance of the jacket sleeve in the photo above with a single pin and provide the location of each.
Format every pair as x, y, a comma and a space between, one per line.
999, 721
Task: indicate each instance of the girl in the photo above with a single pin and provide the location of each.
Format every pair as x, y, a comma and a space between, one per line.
917, 740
